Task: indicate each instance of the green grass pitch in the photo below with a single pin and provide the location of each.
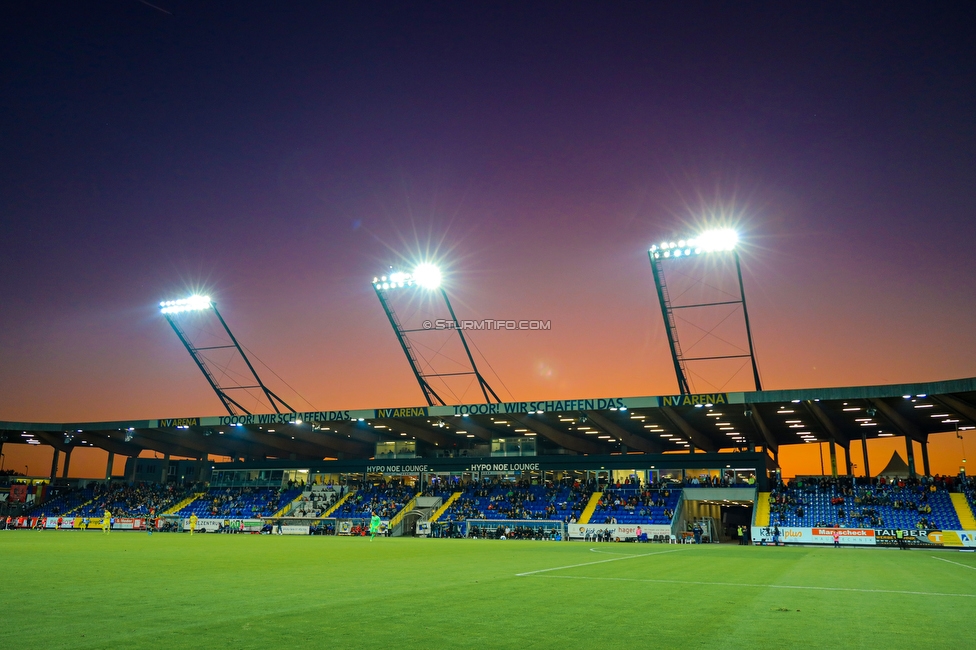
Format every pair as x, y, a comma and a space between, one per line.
86, 590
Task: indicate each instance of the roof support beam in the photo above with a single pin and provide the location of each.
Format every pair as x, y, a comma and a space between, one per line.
964, 409
104, 440
827, 424
323, 439
898, 421
468, 425
697, 438
54, 440
223, 445
357, 431
299, 448
626, 437
560, 438
760, 424
167, 448
429, 436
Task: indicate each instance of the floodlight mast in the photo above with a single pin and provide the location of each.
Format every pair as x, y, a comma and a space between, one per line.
745, 316
426, 276
708, 242
670, 327
429, 393
485, 388
171, 308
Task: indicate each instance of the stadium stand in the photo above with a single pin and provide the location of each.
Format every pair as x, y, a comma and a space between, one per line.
900, 503
315, 501
632, 504
137, 500
964, 509
590, 507
761, 517
384, 499
968, 489
442, 489
507, 500
179, 505
445, 506
61, 501
240, 502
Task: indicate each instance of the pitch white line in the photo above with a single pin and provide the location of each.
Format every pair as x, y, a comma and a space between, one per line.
746, 584
956, 563
573, 566
596, 550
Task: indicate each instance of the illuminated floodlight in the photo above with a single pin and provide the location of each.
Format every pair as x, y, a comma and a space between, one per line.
399, 277
723, 239
708, 241
193, 303
426, 275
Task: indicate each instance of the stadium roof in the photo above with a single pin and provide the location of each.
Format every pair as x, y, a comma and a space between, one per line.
653, 425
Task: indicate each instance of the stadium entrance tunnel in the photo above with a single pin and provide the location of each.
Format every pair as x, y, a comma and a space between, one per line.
411, 519
718, 512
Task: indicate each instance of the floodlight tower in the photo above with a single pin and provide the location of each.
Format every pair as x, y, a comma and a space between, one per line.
172, 310
719, 242
427, 277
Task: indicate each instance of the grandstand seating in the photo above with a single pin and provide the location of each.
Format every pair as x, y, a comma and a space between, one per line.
445, 506
964, 510
62, 503
878, 506
314, 502
590, 507
761, 515
384, 500
246, 503
124, 500
970, 492
631, 504
510, 501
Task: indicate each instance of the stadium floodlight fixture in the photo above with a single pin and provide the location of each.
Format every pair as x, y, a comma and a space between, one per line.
425, 275
708, 241
193, 303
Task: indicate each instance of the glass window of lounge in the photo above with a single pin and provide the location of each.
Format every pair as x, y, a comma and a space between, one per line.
396, 449
524, 446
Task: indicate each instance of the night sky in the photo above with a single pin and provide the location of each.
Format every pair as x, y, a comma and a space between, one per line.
279, 155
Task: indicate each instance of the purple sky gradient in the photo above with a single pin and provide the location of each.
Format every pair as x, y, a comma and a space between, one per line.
279, 155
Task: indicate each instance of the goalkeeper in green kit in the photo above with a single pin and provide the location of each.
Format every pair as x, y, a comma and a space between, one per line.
374, 526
